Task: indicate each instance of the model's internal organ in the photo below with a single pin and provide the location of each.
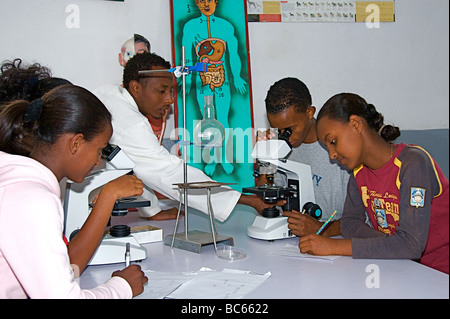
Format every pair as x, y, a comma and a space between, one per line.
211, 51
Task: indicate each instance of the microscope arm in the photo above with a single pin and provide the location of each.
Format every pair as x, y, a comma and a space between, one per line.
300, 172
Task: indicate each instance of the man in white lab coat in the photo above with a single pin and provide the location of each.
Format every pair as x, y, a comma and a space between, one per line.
130, 105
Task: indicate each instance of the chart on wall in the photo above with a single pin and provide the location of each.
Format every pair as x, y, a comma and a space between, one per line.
215, 33
321, 11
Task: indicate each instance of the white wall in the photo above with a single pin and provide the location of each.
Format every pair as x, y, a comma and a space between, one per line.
402, 68
36, 30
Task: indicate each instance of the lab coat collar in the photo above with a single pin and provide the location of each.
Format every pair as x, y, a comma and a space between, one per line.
127, 96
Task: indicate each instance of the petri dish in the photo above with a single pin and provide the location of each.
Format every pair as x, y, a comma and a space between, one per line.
230, 252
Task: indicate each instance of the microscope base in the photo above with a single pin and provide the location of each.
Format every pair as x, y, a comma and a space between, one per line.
112, 250
269, 228
196, 240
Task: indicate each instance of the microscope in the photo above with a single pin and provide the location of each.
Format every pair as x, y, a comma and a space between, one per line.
298, 194
113, 245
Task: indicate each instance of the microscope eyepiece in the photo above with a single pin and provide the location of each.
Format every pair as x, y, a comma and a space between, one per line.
109, 151
285, 136
286, 133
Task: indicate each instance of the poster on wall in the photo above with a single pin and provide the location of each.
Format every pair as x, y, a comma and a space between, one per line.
320, 11
215, 33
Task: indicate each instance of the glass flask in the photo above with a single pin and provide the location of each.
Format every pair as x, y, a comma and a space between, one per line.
209, 133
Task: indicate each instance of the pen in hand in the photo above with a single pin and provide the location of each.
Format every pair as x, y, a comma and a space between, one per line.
326, 223
127, 255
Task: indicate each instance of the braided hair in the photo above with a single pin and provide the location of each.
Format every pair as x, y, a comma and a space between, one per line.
341, 106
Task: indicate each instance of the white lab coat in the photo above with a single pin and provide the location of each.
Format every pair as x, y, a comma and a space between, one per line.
155, 166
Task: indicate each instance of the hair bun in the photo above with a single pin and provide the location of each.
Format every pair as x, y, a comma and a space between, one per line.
34, 110
389, 132
381, 129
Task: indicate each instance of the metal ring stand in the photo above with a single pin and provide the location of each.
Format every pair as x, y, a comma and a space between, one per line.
194, 240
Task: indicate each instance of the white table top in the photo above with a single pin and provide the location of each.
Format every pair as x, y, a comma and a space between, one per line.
292, 277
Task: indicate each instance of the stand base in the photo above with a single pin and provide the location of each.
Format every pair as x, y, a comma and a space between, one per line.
196, 239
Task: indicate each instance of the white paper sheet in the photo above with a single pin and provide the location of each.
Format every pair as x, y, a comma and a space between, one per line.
226, 284
161, 284
293, 251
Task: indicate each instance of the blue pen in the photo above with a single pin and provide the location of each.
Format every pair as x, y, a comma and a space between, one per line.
326, 223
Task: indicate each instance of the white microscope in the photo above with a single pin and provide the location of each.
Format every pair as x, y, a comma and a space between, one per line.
113, 246
299, 192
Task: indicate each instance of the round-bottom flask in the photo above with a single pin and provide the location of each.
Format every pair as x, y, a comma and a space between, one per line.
209, 133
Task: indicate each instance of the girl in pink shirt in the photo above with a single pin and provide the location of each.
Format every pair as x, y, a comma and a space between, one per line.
60, 135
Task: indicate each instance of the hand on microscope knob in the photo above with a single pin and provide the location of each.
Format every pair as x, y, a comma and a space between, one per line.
135, 278
260, 204
301, 224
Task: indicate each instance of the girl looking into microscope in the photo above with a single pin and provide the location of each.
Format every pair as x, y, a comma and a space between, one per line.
41, 142
400, 187
22, 81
